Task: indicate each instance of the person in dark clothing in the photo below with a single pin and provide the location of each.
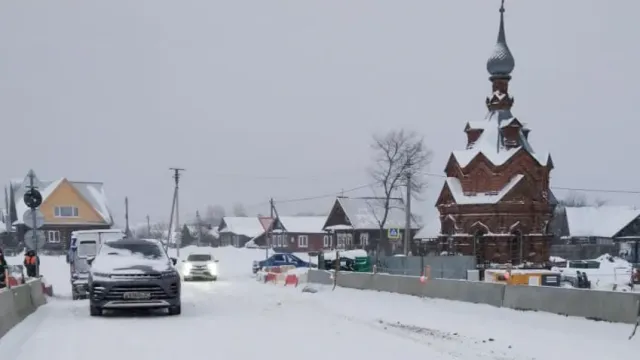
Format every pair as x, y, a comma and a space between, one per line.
585, 281
31, 262
579, 278
4, 271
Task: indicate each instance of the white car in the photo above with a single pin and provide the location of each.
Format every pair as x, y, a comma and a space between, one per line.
200, 267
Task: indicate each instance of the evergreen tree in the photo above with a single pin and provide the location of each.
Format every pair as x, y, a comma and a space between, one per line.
186, 237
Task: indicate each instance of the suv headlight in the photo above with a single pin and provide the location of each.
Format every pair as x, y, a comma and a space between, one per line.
100, 274
169, 274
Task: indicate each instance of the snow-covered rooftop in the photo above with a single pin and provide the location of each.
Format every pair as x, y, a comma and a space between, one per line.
491, 142
366, 213
92, 192
481, 198
214, 232
431, 228
303, 224
602, 221
248, 226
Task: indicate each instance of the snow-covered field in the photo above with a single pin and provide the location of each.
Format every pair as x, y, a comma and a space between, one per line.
240, 318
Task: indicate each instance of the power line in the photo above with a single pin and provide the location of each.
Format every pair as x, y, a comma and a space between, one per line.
283, 177
325, 175
338, 193
309, 198
611, 191
326, 195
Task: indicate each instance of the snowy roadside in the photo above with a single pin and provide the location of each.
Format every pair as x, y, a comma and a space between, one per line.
452, 326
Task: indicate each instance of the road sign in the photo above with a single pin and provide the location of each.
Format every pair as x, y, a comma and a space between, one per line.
27, 218
32, 198
393, 233
27, 180
40, 238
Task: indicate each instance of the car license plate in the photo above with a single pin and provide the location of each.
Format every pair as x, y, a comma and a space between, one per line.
136, 295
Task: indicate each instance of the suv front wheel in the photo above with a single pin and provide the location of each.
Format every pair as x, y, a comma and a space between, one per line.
175, 310
95, 311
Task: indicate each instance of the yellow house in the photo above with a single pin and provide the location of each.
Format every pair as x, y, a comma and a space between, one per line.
67, 206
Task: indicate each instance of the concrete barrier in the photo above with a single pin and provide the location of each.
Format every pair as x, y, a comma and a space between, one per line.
459, 290
319, 277
610, 306
19, 302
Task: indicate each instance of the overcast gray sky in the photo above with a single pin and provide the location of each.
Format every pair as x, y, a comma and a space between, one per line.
118, 91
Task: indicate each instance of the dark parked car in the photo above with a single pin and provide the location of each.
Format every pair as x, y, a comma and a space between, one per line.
133, 274
346, 264
279, 260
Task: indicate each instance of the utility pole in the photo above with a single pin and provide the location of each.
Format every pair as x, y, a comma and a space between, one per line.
199, 223
127, 230
6, 218
148, 227
407, 224
176, 206
270, 235
34, 222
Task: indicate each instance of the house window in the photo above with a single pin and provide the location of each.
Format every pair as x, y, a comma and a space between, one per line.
364, 239
341, 240
327, 241
349, 239
303, 241
53, 236
66, 211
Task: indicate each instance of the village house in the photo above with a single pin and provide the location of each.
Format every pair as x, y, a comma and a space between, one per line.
587, 232
354, 223
496, 202
67, 206
300, 233
238, 230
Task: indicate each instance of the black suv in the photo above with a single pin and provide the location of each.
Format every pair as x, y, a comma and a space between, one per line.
133, 274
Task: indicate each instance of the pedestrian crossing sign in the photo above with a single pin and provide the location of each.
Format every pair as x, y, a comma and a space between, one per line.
393, 233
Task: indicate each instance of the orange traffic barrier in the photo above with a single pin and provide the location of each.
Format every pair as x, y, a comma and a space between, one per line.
291, 279
270, 277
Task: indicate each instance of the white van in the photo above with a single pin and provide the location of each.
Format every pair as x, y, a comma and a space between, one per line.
85, 244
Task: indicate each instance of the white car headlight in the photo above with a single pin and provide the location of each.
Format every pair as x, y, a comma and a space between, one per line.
213, 268
187, 268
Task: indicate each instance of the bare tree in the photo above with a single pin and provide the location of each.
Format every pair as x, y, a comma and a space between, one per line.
397, 154
159, 231
576, 199
600, 202
213, 215
309, 213
239, 210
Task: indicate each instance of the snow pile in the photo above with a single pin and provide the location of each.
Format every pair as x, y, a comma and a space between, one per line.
331, 255
557, 259
613, 273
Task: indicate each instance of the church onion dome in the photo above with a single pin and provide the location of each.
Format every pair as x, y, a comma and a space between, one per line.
501, 62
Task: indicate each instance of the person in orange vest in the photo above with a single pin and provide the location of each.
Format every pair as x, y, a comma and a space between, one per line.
31, 261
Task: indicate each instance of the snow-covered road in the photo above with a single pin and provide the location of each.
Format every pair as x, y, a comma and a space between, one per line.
240, 318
